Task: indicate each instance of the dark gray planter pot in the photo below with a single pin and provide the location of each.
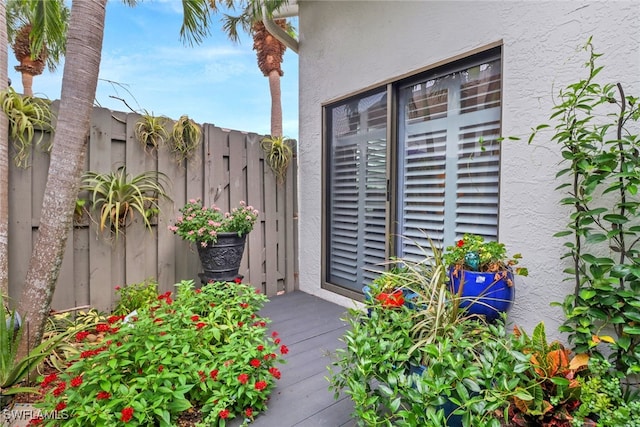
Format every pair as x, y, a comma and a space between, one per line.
221, 261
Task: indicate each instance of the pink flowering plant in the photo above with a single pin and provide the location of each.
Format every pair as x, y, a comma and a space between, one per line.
202, 224
204, 350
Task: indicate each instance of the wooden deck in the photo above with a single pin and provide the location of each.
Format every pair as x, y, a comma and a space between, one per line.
311, 328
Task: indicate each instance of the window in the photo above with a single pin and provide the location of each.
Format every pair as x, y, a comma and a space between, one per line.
435, 178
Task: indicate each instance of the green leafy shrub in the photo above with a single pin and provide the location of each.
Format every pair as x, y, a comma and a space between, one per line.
208, 350
604, 399
135, 296
596, 128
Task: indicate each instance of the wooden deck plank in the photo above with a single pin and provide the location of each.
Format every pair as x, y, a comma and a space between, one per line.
311, 328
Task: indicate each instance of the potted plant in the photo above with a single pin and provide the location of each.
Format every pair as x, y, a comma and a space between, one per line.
150, 131
220, 237
430, 364
388, 288
185, 138
481, 274
279, 152
118, 196
26, 115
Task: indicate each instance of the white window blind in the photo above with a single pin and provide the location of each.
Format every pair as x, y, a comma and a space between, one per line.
449, 184
357, 180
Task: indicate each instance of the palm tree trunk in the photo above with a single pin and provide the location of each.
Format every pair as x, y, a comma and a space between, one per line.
79, 82
4, 161
27, 84
276, 103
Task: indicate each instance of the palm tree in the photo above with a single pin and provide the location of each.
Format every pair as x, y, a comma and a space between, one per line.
269, 50
37, 33
4, 163
79, 82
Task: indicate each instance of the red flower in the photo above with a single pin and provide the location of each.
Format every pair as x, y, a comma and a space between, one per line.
243, 378
200, 325
274, 334
103, 395
248, 412
35, 421
260, 347
60, 406
197, 291
114, 319
260, 385
275, 372
59, 389
118, 288
48, 380
276, 341
203, 377
87, 353
255, 363
157, 320
244, 305
460, 243
240, 324
214, 374
224, 414
81, 335
75, 382
284, 349
160, 368
102, 327
127, 414
195, 318
237, 280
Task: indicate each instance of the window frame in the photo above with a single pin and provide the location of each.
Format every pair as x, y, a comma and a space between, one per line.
392, 88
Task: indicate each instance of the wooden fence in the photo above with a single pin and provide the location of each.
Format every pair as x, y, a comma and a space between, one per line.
228, 167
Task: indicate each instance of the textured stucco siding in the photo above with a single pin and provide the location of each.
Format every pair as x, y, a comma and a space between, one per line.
349, 45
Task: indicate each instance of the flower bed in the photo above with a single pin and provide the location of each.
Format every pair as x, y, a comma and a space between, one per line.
205, 351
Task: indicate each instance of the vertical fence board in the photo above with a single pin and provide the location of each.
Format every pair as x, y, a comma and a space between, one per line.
228, 167
166, 240
254, 198
271, 232
100, 252
20, 226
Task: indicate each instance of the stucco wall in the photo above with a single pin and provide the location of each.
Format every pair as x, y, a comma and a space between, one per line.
348, 45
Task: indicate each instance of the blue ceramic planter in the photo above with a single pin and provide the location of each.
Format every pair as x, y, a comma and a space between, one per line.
481, 293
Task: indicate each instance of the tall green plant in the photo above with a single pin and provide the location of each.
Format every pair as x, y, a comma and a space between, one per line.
118, 195
14, 370
26, 115
596, 128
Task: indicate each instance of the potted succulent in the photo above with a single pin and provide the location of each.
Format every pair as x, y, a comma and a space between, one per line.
220, 237
481, 274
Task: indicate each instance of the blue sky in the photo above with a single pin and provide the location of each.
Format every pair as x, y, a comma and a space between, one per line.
215, 82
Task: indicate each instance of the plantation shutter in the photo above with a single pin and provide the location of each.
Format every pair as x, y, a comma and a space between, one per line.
449, 158
357, 181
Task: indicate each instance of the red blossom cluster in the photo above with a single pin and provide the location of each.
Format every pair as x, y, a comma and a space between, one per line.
126, 414
166, 297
